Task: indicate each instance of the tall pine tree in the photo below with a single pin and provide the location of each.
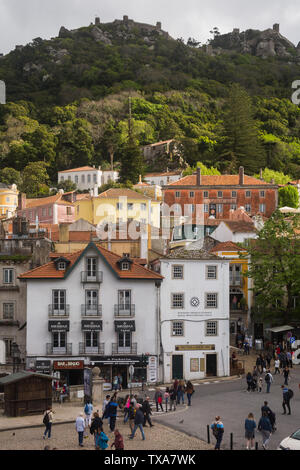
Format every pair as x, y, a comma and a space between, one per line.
242, 146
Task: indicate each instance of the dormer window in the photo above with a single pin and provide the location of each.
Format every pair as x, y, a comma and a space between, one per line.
125, 262
61, 263
125, 266
61, 266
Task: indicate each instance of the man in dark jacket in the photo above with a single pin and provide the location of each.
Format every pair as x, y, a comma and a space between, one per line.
138, 422
112, 407
265, 427
286, 399
146, 409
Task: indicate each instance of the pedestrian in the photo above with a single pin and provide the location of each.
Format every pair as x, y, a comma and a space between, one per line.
249, 380
131, 415
88, 410
265, 427
95, 425
80, 427
118, 443
268, 380
101, 439
250, 426
268, 359
277, 364
289, 359
105, 403
173, 399
180, 392
112, 408
286, 373
146, 408
258, 363
158, 399
167, 398
189, 392
115, 383
48, 420
138, 422
255, 373
126, 408
218, 431
260, 384
287, 394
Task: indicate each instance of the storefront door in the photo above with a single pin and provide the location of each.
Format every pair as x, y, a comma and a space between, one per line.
211, 365
122, 370
177, 366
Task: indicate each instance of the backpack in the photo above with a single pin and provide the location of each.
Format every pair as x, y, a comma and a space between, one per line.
46, 419
86, 408
215, 431
290, 393
268, 378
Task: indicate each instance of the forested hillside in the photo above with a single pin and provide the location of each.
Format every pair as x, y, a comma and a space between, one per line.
68, 103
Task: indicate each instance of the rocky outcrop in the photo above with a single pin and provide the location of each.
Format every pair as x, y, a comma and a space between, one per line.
100, 36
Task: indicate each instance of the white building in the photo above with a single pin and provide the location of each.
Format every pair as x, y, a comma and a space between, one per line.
164, 178
89, 308
87, 177
236, 231
194, 314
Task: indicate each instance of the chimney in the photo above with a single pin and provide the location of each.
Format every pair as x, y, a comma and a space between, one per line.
241, 176
95, 190
198, 176
140, 179
261, 174
21, 201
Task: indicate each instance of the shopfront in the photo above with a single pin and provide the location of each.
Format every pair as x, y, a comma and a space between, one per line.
70, 372
43, 367
112, 366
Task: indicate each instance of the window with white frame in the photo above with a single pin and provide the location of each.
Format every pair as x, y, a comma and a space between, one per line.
88, 178
220, 194
76, 179
262, 207
211, 272
95, 178
211, 328
8, 276
129, 206
233, 207
206, 208
248, 193
211, 300
262, 194
61, 266
82, 178
233, 193
177, 300
177, 193
248, 207
143, 206
177, 271
192, 194
205, 194
119, 206
219, 208
125, 266
8, 311
177, 328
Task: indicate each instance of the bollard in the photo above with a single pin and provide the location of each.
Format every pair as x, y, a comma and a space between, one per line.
208, 435
231, 441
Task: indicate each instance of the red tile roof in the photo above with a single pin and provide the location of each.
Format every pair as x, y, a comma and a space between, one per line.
165, 173
227, 246
49, 271
83, 168
217, 180
113, 193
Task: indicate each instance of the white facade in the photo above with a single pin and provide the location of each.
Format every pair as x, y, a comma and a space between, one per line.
40, 294
198, 333
224, 234
162, 179
88, 177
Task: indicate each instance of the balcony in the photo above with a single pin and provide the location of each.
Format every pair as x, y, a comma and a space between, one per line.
236, 281
116, 349
91, 310
124, 310
55, 310
58, 351
88, 350
96, 276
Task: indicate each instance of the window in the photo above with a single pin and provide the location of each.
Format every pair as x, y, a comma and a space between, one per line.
124, 297
8, 346
69, 178
192, 194
69, 210
248, 193
7, 199
143, 206
50, 211
233, 193
59, 339
88, 178
177, 300
177, 272
129, 206
161, 182
177, 328
119, 206
91, 267
205, 194
262, 207
91, 339
8, 311
62, 178
44, 213
95, 178
61, 266
125, 266
220, 194
233, 207
248, 207
211, 300
76, 179
211, 272
8, 276
82, 178
262, 194
59, 301
211, 328
206, 207
177, 193
219, 208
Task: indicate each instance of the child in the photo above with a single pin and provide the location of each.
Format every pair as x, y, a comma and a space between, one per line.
260, 384
101, 440
118, 442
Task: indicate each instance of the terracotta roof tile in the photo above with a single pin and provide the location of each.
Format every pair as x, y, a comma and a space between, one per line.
82, 168
119, 192
217, 180
226, 246
49, 271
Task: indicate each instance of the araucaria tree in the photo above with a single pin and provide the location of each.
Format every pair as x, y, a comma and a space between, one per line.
275, 270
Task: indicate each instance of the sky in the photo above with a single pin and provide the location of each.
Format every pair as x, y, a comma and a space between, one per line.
23, 20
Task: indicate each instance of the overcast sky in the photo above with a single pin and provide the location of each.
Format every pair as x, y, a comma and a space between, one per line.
23, 20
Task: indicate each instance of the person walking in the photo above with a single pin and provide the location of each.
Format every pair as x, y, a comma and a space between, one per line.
260, 384
173, 399
180, 392
289, 359
146, 409
277, 364
101, 439
126, 408
48, 420
138, 422
112, 408
250, 426
249, 380
167, 398
286, 396
286, 373
158, 399
95, 425
265, 427
88, 410
80, 427
118, 443
268, 380
218, 431
131, 415
189, 392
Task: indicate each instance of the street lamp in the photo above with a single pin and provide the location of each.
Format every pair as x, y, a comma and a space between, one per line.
16, 355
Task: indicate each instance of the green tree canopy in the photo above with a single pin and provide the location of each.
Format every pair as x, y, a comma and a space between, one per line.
288, 197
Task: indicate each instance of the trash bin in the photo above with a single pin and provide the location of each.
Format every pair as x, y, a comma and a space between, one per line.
259, 344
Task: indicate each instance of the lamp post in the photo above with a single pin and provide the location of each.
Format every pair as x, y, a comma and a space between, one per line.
16, 355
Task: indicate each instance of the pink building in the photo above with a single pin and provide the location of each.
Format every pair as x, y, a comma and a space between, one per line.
48, 210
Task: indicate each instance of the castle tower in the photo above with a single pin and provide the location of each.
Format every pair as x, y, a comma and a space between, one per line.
97, 20
158, 26
125, 19
276, 27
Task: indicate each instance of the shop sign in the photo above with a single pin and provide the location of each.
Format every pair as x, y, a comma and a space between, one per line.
57, 365
152, 369
194, 365
195, 347
59, 325
43, 367
128, 325
91, 325
115, 360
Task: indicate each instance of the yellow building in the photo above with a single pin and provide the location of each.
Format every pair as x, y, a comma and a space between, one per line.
8, 200
118, 206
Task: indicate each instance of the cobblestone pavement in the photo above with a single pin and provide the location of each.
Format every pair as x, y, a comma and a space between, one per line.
64, 437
